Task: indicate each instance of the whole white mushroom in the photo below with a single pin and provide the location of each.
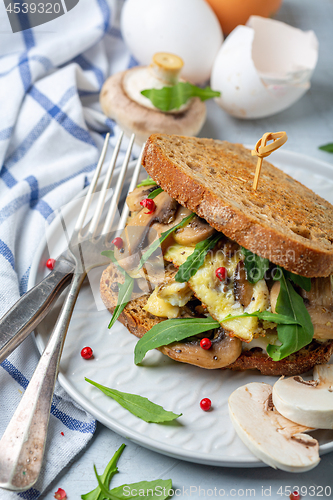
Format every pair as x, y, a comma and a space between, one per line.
307, 402
188, 28
271, 437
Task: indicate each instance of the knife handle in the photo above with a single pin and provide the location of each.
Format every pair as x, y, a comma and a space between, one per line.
32, 307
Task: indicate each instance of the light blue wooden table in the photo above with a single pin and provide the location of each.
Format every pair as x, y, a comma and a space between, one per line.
309, 123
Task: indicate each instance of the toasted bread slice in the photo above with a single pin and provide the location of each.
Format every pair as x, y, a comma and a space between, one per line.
283, 220
138, 322
315, 353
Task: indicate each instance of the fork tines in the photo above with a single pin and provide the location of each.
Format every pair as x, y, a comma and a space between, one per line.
107, 227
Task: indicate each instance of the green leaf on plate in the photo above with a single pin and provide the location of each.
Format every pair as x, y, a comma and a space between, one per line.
105, 479
255, 266
293, 336
327, 147
140, 407
196, 259
169, 98
147, 182
163, 237
169, 331
105, 492
155, 193
159, 488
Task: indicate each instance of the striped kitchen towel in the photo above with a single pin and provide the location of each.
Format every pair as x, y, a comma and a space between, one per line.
51, 134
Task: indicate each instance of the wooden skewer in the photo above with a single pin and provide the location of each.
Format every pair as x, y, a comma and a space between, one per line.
262, 149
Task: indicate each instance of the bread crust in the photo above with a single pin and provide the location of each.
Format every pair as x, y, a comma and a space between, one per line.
316, 353
134, 118
138, 322
283, 220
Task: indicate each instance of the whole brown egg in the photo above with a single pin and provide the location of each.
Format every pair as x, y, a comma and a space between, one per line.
231, 13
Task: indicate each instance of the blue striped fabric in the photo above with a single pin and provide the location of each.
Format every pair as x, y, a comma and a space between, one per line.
51, 133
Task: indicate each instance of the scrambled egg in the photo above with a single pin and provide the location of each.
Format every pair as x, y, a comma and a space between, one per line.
166, 299
218, 297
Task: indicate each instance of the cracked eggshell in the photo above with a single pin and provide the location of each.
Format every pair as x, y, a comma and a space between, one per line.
271, 437
263, 68
188, 28
307, 402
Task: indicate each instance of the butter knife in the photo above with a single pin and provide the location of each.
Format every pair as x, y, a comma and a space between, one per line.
33, 306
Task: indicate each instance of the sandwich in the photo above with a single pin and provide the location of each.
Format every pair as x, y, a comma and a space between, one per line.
242, 278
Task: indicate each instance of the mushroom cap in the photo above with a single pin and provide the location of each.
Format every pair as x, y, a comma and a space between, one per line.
134, 118
224, 350
307, 402
271, 437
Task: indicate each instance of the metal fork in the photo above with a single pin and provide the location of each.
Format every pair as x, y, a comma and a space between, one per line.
35, 304
22, 445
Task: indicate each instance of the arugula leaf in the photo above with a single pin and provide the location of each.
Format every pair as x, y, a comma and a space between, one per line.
196, 259
255, 266
110, 255
159, 488
125, 289
124, 296
327, 147
154, 193
295, 329
110, 470
139, 406
301, 281
169, 98
279, 319
147, 182
104, 491
144, 489
293, 336
171, 330
163, 237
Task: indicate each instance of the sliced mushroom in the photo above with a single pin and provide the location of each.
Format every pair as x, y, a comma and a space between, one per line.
319, 303
321, 293
153, 274
274, 295
271, 437
137, 195
134, 235
322, 320
307, 402
224, 350
158, 228
196, 230
243, 289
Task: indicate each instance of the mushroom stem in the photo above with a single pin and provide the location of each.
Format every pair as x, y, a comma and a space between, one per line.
167, 67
